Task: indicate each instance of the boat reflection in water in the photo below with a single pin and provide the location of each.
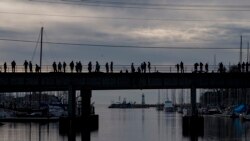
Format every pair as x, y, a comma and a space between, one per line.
129, 125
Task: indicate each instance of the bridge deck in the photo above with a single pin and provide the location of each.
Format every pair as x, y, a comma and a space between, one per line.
26, 82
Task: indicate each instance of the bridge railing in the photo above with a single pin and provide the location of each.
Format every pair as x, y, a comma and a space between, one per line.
117, 68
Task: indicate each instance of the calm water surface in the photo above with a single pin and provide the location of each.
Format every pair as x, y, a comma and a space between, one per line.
130, 125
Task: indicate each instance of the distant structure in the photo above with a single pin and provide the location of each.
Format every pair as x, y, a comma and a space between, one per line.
143, 99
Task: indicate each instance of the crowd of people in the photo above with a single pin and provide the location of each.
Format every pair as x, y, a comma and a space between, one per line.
144, 67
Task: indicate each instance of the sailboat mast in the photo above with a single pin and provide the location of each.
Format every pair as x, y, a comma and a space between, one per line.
158, 96
41, 50
241, 49
247, 51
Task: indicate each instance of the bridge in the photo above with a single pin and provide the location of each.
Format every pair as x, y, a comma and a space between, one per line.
86, 82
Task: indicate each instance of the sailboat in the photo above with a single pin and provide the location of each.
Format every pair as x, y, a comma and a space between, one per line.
168, 105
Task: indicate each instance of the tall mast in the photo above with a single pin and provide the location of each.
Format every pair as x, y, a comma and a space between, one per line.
215, 62
247, 51
159, 96
241, 49
41, 50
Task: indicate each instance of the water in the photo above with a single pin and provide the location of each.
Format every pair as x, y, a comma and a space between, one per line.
130, 125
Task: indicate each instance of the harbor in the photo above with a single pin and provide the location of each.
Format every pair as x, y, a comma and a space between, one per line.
124, 70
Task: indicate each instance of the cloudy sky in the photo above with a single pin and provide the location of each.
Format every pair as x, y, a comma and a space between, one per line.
158, 23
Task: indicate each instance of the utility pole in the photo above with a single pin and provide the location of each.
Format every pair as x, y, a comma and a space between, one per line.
41, 50
241, 49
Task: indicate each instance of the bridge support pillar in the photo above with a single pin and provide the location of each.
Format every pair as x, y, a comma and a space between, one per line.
193, 125
193, 102
86, 102
88, 119
71, 103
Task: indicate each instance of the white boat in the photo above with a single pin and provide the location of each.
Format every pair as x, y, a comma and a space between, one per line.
168, 106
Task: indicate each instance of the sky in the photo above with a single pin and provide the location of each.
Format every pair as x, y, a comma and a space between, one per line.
157, 23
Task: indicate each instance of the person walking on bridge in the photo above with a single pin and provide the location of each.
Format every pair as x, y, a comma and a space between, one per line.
111, 66
5, 67
54, 66
90, 67
72, 65
206, 67
30, 66
132, 68
59, 67
196, 67
144, 67
107, 67
177, 67
149, 67
64, 67
13, 64
243, 67
239, 67
201, 67
37, 69
80, 66
182, 67
97, 67
25, 66
221, 67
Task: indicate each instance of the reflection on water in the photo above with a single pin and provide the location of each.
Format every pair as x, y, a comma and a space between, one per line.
129, 124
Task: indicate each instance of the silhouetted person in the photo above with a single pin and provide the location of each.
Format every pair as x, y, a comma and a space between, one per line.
196, 67
97, 67
25, 66
221, 67
139, 70
5, 66
126, 71
30, 66
201, 67
243, 67
80, 66
90, 67
37, 69
247, 65
182, 67
54, 66
13, 65
149, 67
206, 67
107, 67
177, 67
72, 65
132, 68
239, 67
59, 67
64, 67
144, 67
111, 67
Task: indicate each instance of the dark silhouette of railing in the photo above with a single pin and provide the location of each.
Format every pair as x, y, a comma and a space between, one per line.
117, 69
